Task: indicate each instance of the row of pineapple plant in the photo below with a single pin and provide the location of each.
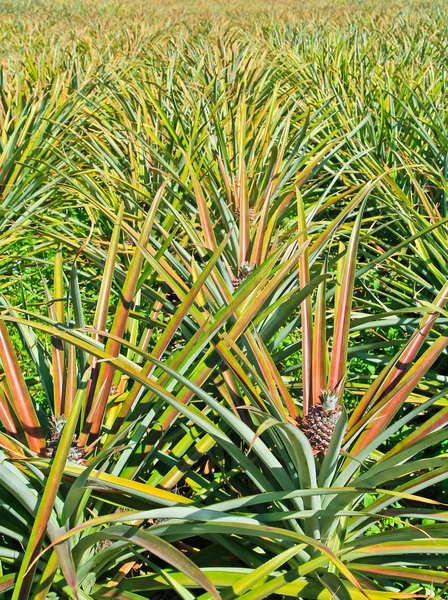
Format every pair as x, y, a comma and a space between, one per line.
174, 377
263, 386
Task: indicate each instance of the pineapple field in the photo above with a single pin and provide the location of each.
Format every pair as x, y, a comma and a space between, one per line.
224, 300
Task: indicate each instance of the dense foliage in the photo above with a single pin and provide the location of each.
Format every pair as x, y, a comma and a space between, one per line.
223, 332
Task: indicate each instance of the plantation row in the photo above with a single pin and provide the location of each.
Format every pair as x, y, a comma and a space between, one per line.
223, 332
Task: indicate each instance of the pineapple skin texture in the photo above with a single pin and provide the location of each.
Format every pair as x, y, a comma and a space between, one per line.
318, 426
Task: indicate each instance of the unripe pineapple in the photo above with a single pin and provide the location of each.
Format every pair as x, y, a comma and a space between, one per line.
244, 272
103, 544
320, 422
75, 453
252, 215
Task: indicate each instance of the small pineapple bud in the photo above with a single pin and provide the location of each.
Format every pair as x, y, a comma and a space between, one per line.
244, 272
237, 281
246, 269
252, 215
58, 424
75, 453
102, 544
51, 447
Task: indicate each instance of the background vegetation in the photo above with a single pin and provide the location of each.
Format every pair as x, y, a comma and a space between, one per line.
213, 216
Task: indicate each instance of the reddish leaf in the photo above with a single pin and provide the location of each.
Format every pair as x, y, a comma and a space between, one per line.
307, 326
23, 405
379, 419
338, 364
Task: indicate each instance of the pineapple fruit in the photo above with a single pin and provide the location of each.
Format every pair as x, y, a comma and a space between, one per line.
252, 215
75, 454
320, 422
244, 272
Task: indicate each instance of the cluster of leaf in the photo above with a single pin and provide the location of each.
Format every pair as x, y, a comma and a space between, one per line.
200, 232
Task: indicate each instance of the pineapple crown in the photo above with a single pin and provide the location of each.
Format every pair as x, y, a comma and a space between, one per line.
329, 399
246, 269
58, 424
